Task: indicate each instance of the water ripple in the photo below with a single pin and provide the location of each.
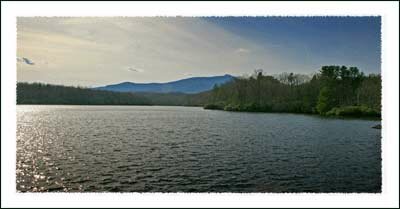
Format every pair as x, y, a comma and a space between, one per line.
182, 149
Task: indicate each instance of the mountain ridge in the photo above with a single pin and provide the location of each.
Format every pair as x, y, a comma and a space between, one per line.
190, 85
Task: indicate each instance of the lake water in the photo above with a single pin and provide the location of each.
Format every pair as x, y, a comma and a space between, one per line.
188, 149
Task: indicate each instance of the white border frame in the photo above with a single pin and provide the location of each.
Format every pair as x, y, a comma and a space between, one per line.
390, 75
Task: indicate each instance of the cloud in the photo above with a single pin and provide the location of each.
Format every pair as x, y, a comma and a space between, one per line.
242, 51
25, 60
134, 69
162, 49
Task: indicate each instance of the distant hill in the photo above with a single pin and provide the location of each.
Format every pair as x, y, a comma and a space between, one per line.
189, 85
40, 93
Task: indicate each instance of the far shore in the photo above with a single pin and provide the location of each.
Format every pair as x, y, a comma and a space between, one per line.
251, 112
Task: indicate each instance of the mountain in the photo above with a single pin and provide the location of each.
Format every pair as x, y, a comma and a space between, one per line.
188, 85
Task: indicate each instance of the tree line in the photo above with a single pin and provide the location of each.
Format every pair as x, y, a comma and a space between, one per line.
334, 90
40, 93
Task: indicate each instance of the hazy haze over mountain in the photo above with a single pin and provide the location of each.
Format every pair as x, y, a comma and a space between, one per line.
189, 85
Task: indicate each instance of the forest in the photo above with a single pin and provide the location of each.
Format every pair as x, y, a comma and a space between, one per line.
39, 93
333, 91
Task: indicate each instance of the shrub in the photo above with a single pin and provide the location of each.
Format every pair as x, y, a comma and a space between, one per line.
217, 106
355, 111
231, 107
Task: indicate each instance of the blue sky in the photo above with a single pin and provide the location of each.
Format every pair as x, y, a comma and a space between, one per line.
102, 50
335, 40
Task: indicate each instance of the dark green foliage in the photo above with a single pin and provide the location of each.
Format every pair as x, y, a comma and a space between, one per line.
369, 92
176, 99
38, 93
217, 106
333, 91
326, 100
333, 86
354, 111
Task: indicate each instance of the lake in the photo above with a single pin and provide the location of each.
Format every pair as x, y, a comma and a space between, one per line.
189, 149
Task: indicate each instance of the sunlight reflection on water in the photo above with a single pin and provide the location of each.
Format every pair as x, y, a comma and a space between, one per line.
188, 149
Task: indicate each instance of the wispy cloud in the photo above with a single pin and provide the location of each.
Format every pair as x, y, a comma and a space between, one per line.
167, 47
134, 69
25, 60
242, 51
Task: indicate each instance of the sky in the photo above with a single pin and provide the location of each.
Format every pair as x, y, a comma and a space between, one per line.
96, 51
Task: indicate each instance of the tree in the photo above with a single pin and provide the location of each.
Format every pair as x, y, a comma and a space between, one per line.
369, 92
325, 100
337, 87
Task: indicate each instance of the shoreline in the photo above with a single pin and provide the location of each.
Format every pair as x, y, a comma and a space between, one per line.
308, 114
236, 111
